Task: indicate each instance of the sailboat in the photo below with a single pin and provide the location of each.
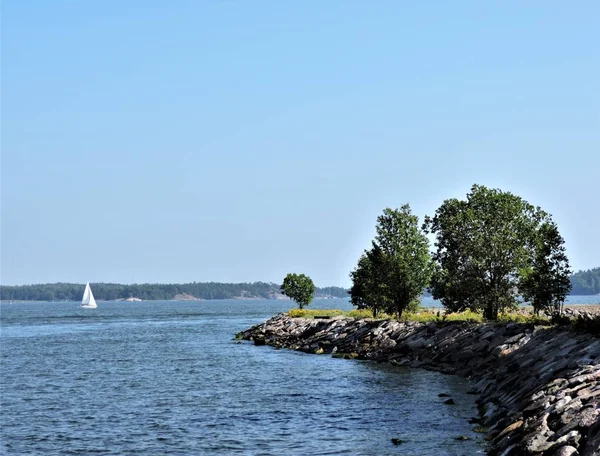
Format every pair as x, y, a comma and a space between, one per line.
88, 301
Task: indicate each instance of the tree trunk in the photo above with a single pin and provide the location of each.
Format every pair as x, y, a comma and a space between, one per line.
490, 312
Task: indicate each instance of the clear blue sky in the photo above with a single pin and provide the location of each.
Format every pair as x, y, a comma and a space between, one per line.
156, 141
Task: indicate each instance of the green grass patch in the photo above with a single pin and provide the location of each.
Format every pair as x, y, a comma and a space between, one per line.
422, 315
519, 317
311, 313
429, 316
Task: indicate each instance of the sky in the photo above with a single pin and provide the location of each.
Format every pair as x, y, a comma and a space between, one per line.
238, 141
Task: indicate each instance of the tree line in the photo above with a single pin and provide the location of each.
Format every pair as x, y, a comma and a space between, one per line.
115, 291
493, 250
586, 282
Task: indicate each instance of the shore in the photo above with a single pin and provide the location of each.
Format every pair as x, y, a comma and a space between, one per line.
538, 387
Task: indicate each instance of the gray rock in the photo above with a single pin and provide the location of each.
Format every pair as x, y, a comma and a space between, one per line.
566, 450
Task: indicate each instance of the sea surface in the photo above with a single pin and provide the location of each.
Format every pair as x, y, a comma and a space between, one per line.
166, 377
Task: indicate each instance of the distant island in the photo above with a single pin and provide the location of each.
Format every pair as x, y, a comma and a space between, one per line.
152, 292
586, 282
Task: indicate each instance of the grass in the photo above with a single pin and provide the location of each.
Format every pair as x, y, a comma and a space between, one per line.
312, 313
422, 316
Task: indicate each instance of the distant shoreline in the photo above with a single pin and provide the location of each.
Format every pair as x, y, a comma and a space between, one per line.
578, 305
52, 292
14, 301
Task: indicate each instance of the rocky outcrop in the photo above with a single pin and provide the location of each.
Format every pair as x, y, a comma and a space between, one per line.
184, 297
539, 387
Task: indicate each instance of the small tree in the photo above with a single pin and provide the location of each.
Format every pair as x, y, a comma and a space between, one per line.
298, 287
393, 274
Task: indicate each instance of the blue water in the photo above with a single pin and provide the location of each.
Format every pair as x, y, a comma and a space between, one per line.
157, 378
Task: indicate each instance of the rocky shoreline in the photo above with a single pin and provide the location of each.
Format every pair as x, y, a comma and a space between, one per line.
539, 387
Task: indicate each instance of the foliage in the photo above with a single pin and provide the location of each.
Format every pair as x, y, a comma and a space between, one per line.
545, 284
586, 282
368, 282
331, 292
430, 316
518, 317
115, 291
393, 273
298, 287
362, 313
489, 248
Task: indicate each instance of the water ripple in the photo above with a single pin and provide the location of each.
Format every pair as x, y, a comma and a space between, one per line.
166, 378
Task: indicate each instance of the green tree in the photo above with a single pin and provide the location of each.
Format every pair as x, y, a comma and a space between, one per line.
393, 274
485, 246
298, 287
545, 284
367, 291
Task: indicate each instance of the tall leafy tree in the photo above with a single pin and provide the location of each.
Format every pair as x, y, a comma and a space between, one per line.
298, 287
545, 283
394, 272
485, 246
368, 285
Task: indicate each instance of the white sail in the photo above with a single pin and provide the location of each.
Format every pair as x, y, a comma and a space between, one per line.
88, 298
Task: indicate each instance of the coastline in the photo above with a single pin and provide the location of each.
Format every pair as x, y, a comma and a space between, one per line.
538, 387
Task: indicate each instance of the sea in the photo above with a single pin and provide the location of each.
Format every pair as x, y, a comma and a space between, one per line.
168, 377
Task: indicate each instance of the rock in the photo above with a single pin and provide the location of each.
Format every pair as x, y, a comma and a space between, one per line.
510, 428
587, 394
462, 437
572, 437
561, 405
259, 341
397, 441
449, 402
566, 450
540, 404
585, 378
443, 395
511, 450
587, 417
537, 443
592, 447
